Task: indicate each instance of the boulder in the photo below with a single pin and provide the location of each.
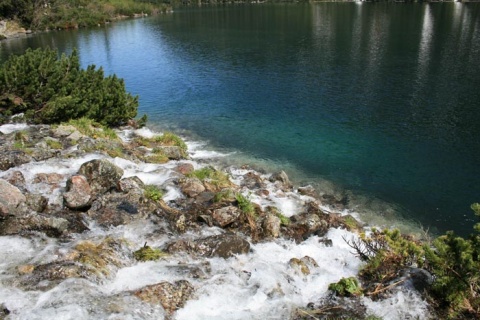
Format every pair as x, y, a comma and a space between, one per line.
226, 215
131, 184
271, 225
170, 296
13, 158
10, 198
252, 180
192, 187
79, 193
51, 226
282, 177
101, 174
172, 152
53, 179
185, 168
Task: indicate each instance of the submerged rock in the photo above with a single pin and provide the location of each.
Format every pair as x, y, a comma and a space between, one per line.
51, 226
224, 246
170, 296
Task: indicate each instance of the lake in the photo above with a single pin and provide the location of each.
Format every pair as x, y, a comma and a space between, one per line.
378, 103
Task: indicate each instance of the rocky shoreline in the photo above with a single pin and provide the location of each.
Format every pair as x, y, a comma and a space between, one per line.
59, 185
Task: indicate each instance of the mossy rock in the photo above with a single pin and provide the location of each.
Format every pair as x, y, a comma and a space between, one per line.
147, 253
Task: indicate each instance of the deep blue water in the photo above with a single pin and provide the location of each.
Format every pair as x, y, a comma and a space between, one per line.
383, 100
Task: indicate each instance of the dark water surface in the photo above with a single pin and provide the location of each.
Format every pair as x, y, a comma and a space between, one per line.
380, 99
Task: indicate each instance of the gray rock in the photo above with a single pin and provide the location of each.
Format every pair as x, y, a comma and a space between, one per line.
79, 193
226, 215
131, 184
172, 152
101, 174
36, 202
40, 154
170, 296
63, 131
52, 179
13, 158
17, 179
224, 246
10, 198
271, 225
282, 177
192, 187
52, 226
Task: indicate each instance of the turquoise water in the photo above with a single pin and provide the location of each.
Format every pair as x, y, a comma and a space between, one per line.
382, 100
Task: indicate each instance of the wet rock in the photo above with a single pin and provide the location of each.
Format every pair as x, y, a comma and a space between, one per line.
419, 279
226, 215
282, 177
10, 198
17, 179
131, 184
41, 154
192, 187
185, 168
4, 312
36, 202
309, 262
79, 193
172, 152
299, 266
224, 246
271, 225
51, 226
170, 296
47, 276
306, 225
252, 180
308, 191
52, 179
13, 158
121, 208
101, 174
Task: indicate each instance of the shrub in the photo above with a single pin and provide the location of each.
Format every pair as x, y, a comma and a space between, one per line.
245, 204
52, 90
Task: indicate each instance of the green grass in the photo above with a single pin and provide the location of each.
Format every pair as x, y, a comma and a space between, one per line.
92, 129
153, 193
245, 204
225, 194
218, 178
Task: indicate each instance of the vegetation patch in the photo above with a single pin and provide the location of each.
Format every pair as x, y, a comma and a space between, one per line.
215, 177
93, 129
224, 195
54, 144
346, 287
245, 205
152, 192
147, 253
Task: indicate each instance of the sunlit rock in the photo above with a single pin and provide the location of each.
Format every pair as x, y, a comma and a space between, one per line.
226, 215
170, 296
10, 198
101, 174
78, 193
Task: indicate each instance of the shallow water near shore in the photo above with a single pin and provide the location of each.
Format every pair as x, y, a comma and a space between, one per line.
375, 101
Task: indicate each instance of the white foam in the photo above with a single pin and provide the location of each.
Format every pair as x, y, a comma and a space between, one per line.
9, 128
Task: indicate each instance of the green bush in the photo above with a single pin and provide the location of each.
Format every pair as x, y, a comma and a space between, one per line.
152, 192
53, 89
346, 287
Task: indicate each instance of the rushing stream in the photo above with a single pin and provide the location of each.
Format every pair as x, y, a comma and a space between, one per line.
257, 285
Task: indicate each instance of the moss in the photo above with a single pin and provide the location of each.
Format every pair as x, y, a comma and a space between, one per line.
146, 253
346, 287
153, 193
156, 158
98, 257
